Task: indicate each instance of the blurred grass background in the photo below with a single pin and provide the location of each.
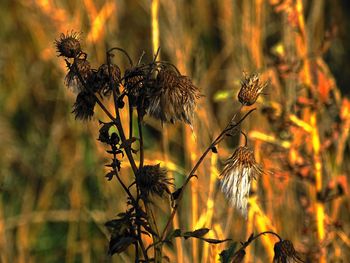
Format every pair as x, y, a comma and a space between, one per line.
54, 197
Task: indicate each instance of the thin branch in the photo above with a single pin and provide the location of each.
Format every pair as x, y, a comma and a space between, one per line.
139, 124
130, 120
123, 51
245, 244
218, 139
245, 138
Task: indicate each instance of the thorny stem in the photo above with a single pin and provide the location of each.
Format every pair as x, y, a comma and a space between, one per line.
117, 122
218, 139
120, 180
87, 88
135, 202
151, 218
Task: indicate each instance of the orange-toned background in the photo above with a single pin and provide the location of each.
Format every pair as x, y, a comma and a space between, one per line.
54, 197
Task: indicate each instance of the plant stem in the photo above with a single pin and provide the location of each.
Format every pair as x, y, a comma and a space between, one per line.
139, 123
130, 120
260, 234
218, 139
137, 259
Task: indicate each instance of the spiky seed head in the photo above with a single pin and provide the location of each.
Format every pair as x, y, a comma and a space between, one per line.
68, 45
152, 179
173, 97
285, 252
237, 175
84, 105
72, 81
251, 88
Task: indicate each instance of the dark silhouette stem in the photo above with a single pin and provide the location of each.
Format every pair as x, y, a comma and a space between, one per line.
218, 139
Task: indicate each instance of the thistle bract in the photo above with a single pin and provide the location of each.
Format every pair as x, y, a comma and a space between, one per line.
236, 177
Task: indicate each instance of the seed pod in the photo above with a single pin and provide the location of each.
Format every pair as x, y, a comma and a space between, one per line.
236, 177
251, 88
68, 45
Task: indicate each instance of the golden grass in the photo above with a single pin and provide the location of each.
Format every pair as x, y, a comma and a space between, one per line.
54, 196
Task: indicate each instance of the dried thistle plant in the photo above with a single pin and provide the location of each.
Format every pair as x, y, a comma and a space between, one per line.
68, 45
152, 179
173, 97
82, 68
284, 250
159, 90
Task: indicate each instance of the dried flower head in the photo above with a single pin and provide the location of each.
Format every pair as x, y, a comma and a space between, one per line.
236, 177
153, 180
285, 252
83, 107
80, 66
134, 83
105, 75
173, 97
68, 45
251, 88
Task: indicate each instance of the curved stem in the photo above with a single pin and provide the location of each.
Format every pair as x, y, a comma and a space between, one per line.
218, 139
245, 138
140, 59
123, 51
264, 233
169, 64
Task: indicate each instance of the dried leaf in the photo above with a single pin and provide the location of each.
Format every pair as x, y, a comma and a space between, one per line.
227, 254
197, 233
118, 245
